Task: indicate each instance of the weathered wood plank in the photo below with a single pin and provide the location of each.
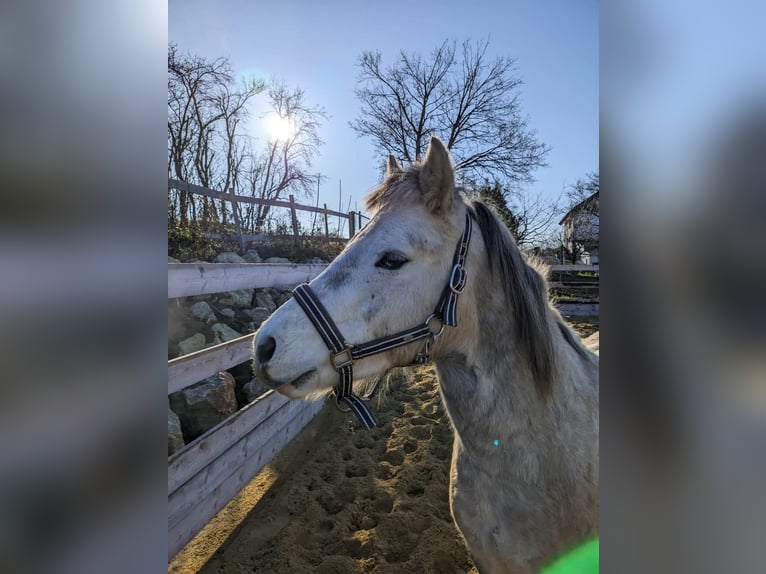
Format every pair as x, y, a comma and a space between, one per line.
192, 368
578, 309
188, 495
186, 279
185, 529
591, 268
195, 456
199, 190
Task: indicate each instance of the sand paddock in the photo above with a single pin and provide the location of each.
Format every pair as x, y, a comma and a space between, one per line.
339, 501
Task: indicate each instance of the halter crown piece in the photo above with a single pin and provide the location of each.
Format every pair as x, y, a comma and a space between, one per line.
343, 354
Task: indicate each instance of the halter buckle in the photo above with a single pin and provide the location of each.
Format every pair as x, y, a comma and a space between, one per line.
342, 359
457, 279
424, 356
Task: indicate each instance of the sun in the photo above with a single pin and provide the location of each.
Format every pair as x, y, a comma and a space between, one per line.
279, 128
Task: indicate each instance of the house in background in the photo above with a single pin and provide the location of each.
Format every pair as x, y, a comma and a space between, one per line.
581, 231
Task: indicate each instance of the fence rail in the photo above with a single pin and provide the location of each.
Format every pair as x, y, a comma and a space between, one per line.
354, 217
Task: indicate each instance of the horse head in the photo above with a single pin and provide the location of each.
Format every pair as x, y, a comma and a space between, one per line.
390, 278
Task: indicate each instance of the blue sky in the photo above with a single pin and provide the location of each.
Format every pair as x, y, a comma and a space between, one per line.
316, 45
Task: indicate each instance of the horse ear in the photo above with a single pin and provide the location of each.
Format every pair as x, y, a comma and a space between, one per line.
437, 178
393, 167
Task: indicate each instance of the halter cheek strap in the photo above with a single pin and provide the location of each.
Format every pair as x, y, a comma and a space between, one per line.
343, 355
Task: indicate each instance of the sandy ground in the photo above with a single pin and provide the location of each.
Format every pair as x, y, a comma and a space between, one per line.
339, 500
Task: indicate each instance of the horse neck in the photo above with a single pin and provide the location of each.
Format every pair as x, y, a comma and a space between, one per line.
488, 388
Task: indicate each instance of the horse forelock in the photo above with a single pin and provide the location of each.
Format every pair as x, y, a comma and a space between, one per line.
525, 295
395, 190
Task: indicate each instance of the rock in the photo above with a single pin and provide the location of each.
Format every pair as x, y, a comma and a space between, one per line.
172, 260
194, 343
203, 311
175, 435
228, 313
316, 261
239, 298
257, 314
253, 389
228, 257
282, 298
222, 333
277, 260
251, 256
205, 404
264, 299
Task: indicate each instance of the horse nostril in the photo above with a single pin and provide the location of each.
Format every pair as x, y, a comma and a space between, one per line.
265, 350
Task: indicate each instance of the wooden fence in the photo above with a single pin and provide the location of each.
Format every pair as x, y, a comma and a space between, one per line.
206, 473
355, 218
575, 289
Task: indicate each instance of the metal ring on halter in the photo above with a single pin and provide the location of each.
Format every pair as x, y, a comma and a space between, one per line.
434, 334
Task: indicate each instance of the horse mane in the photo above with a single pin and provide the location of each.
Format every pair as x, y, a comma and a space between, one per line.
525, 291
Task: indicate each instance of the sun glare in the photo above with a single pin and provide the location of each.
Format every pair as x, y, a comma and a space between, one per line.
279, 128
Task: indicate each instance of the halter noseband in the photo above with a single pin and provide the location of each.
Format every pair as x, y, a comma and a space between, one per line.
343, 355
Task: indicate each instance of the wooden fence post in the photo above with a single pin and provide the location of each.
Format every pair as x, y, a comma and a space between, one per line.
326, 228
237, 224
294, 218
351, 224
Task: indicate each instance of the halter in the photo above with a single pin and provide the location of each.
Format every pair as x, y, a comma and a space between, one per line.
343, 355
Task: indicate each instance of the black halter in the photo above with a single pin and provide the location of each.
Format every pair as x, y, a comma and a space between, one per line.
343, 355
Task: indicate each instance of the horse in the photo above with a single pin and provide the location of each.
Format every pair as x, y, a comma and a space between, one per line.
519, 387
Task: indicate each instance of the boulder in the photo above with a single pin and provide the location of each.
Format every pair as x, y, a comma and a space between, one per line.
282, 297
203, 311
204, 405
172, 260
264, 299
222, 333
228, 257
228, 313
251, 256
239, 298
194, 343
175, 435
257, 314
277, 260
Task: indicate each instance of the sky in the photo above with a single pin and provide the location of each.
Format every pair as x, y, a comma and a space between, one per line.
316, 45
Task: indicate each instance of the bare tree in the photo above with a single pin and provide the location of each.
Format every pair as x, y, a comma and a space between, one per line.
192, 84
470, 102
536, 215
285, 163
206, 111
583, 188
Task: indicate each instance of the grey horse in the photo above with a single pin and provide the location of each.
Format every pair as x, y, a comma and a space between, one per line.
520, 388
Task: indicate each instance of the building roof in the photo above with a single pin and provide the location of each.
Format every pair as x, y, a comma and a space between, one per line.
579, 207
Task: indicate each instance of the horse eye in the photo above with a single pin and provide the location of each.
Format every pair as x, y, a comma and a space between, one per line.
391, 261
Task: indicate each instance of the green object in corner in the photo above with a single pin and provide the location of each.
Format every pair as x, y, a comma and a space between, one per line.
580, 560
